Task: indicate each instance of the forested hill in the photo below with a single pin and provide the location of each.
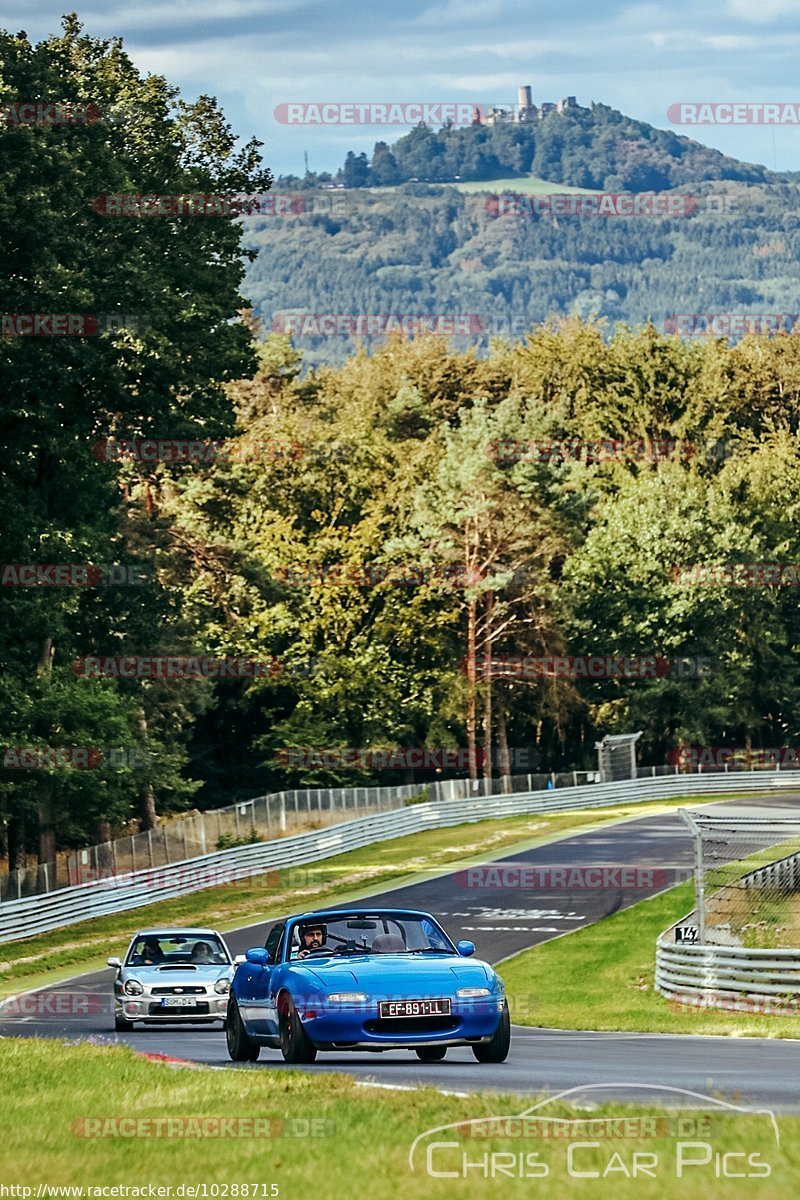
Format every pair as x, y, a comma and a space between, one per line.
435, 250
595, 147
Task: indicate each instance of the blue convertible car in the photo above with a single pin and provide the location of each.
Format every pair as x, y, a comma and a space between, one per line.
365, 979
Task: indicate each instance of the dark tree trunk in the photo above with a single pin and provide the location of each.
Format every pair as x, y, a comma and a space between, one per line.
502, 742
148, 817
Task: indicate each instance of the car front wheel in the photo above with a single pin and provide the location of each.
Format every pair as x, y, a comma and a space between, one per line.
241, 1048
121, 1025
296, 1046
496, 1050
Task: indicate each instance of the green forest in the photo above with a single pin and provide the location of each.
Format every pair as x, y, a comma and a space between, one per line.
356, 527
420, 249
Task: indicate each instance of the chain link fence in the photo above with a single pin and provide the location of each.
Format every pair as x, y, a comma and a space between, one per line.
747, 880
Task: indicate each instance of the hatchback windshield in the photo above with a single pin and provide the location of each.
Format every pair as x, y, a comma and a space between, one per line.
198, 950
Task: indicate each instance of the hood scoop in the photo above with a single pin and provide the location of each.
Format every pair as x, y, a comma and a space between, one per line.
179, 967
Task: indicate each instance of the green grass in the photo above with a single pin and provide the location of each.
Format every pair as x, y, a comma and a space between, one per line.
367, 1134
602, 977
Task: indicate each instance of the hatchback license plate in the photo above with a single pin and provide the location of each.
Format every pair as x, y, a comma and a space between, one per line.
415, 1008
178, 1002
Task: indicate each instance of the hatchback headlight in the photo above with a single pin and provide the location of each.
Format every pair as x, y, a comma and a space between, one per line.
348, 997
470, 993
133, 987
222, 986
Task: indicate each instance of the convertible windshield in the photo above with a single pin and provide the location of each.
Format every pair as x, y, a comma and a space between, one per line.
370, 933
201, 950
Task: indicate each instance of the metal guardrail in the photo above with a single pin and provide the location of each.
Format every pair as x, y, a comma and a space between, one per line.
705, 975
121, 893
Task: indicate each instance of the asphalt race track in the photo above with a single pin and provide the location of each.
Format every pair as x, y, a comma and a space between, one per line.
501, 921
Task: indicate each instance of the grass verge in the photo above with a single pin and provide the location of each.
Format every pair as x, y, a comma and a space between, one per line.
63, 1091
602, 977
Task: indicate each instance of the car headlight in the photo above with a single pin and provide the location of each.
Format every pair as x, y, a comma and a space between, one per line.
222, 986
133, 987
470, 993
348, 997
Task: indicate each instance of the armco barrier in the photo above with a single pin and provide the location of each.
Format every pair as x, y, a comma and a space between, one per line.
39, 914
703, 975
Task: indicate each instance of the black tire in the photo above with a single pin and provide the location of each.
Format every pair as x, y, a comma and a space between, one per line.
241, 1048
121, 1025
496, 1050
296, 1046
431, 1053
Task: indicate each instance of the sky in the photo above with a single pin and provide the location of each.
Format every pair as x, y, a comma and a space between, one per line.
640, 58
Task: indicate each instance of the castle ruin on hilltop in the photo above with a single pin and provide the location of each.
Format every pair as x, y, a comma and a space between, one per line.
524, 111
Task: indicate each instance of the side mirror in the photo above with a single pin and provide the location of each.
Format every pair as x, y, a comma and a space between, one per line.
257, 956
465, 948
238, 958
114, 962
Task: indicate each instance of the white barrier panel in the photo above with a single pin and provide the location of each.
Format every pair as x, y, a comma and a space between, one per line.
67, 906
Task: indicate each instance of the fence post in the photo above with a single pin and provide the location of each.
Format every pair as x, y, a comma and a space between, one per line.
150, 845
166, 842
283, 812
236, 814
269, 821
699, 884
185, 843
203, 831
253, 816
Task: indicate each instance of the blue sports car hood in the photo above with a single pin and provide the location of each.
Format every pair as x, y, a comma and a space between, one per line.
380, 970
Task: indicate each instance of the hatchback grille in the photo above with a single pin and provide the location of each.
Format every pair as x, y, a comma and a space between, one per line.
197, 1010
189, 990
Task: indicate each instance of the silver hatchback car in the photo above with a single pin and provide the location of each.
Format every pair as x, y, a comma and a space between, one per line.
172, 976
